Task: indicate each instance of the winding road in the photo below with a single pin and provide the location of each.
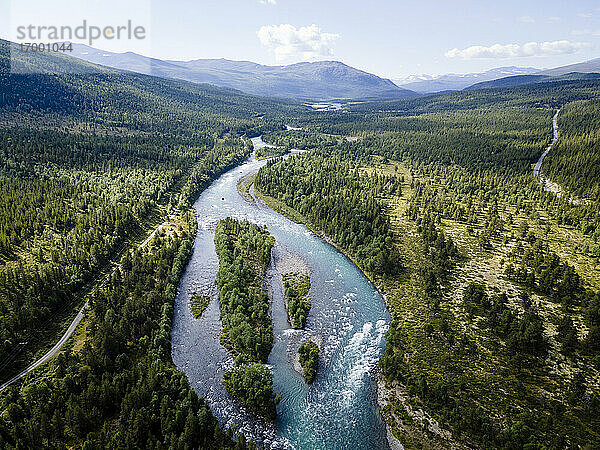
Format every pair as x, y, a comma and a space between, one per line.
65, 337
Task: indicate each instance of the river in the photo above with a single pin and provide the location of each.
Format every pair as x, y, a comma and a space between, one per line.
348, 319
538, 164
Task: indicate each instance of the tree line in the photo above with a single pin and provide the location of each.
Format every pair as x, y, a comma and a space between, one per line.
120, 388
337, 200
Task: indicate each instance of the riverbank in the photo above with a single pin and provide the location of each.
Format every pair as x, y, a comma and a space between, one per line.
382, 402
382, 391
244, 185
416, 427
295, 216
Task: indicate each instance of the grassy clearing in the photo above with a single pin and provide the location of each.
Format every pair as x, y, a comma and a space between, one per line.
445, 358
409, 419
482, 367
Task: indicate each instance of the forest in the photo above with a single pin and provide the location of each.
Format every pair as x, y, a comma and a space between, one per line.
308, 355
299, 139
253, 385
119, 369
91, 160
244, 251
269, 152
492, 282
295, 290
91, 163
68, 217
334, 200
575, 163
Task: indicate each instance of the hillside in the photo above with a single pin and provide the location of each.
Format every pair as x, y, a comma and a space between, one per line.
63, 85
493, 283
427, 84
323, 80
523, 80
591, 66
498, 77
588, 70
98, 172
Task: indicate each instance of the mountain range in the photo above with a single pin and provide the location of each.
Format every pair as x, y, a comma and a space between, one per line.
587, 70
429, 84
323, 80
591, 66
61, 86
499, 77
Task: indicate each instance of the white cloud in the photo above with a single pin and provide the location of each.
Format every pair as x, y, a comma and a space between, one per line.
268, 2
499, 51
526, 19
297, 44
553, 19
586, 15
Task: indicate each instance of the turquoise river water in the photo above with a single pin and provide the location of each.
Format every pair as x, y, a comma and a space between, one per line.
348, 320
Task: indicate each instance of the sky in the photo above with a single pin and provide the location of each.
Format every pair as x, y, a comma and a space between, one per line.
393, 38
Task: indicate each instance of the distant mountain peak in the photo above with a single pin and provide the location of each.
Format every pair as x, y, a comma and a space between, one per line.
426, 84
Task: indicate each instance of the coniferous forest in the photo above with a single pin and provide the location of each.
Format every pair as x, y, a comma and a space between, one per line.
90, 165
491, 280
244, 251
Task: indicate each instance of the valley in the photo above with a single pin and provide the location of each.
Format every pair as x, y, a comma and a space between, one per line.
443, 351
347, 318
309, 272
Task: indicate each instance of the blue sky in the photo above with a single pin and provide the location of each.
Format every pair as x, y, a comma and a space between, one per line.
390, 38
